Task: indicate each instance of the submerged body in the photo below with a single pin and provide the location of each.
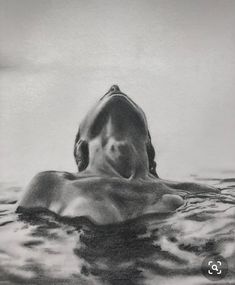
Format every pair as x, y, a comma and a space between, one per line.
116, 177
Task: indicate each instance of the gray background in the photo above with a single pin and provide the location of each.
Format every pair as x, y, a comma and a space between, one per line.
174, 58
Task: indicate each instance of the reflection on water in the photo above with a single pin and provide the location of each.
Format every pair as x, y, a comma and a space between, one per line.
156, 249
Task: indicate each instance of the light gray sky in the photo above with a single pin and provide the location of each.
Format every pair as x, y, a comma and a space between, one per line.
174, 58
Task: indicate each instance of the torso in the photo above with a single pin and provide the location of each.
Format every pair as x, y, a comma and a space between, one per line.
107, 199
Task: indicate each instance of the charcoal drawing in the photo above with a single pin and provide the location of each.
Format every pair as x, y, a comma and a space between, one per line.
117, 142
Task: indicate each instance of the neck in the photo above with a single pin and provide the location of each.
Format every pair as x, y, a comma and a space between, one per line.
121, 158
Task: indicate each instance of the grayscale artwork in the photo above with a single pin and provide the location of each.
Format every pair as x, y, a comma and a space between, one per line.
117, 142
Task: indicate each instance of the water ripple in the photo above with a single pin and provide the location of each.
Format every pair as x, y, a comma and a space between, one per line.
43, 248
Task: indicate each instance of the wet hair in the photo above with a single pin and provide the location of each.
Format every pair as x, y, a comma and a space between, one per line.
81, 154
151, 157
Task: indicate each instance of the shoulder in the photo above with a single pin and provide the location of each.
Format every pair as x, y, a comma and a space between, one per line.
42, 189
46, 180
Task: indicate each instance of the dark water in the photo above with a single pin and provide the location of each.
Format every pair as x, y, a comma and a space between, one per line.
157, 249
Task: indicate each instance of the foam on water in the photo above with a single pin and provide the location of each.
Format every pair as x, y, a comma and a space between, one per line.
42, 248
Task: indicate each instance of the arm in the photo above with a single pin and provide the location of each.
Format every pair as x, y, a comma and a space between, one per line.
191, 187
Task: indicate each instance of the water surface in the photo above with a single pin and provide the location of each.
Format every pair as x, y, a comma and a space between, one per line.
157, 249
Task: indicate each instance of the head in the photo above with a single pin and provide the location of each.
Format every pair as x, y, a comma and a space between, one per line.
115, 130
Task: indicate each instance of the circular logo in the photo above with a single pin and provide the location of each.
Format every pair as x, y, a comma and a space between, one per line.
214, 267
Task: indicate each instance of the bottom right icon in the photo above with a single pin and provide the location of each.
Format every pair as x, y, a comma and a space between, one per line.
214, 267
